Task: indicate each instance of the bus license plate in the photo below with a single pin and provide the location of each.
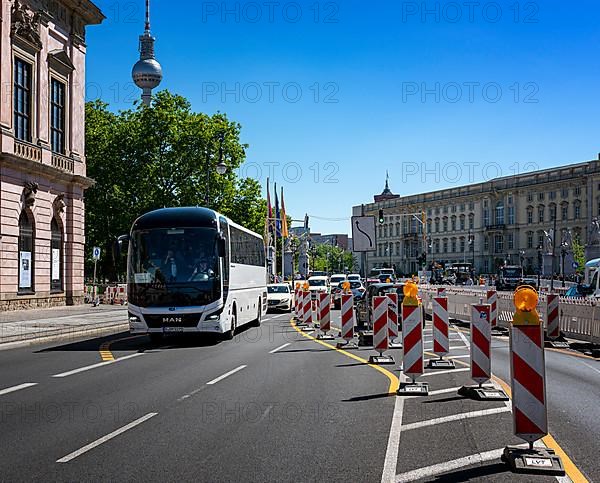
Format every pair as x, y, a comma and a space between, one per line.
172, 329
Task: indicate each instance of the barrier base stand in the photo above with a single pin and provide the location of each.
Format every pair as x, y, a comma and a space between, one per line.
533, 460
381, 359
395, 345
557, 343
325, 336
441, 364
483, 393
365, 338
497, 330
347, 345
413, 389
307, 328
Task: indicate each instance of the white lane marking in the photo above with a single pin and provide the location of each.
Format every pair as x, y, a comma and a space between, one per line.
464, 339
8, 390
591, 367
448, 371
455, 417
106, 438
279, 348
434, 470
393, 447
99, 364
227, 374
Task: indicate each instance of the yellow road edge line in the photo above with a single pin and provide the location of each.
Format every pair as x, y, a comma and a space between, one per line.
394, 382
570, 468
104, 349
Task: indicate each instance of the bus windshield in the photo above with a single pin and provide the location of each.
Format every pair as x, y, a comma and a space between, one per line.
173, 267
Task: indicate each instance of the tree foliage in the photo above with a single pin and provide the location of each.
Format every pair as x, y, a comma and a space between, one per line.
332, 259
578, 254
162, 156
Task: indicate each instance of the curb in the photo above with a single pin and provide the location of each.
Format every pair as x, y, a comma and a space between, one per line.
62, 335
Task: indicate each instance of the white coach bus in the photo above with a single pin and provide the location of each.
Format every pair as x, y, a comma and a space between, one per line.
193, 270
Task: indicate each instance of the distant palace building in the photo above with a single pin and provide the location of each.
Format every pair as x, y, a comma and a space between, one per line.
42, 151
490, 223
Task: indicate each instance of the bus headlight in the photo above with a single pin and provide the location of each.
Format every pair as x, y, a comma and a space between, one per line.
133, 319
213, 317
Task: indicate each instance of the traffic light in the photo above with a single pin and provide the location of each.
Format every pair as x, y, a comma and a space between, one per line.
306, 222
381, 218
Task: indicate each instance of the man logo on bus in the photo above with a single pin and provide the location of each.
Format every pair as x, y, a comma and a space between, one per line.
171, 320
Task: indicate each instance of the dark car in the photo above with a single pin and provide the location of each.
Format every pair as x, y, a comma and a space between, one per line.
364, 307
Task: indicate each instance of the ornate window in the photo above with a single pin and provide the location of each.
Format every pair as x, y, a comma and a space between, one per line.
22, 99
500, 213
57, 116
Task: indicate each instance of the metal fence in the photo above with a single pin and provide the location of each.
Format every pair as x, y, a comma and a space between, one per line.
579, 318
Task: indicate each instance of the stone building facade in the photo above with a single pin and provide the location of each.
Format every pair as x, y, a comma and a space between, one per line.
42, 151
502, 220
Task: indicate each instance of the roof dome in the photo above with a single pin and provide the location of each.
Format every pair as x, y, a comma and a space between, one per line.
147, 73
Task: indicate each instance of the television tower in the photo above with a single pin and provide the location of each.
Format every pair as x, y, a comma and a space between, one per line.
147, 72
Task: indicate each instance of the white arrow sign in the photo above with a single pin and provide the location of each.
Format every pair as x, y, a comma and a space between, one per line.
363, 233
96, 253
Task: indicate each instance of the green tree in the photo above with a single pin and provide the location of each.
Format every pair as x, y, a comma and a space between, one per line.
578, 254
164, 155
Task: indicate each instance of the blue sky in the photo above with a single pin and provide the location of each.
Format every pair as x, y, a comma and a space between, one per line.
332, 94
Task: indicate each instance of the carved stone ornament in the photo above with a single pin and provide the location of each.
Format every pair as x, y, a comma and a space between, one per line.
59, 204
25, 25
29, 192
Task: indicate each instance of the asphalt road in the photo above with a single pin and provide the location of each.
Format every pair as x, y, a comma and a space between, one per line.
271, 405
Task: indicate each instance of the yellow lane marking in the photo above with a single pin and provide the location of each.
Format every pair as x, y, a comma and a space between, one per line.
570, 468
393, 387
105, 352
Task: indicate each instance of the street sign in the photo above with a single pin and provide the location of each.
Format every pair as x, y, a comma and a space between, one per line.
96, 253
575, 265
363, 233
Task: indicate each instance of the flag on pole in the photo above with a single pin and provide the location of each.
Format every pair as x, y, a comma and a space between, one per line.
277, 214
284, 225
269, 213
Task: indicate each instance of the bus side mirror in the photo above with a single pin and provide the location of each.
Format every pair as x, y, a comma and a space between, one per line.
118, 246
221, 248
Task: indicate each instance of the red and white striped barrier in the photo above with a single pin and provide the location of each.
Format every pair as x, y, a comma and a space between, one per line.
441, 292
481, 364
297, 303
348, 320
412, 333
552, 316
393, 319
481, 336
528, 382
492, 300
306, 308
324, 314
381, 327
441, 342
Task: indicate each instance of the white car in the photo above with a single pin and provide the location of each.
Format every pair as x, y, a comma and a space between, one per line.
354, 277
280, 297
336, 279
317, 285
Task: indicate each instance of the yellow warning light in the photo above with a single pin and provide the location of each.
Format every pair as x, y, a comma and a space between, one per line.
346, 286
297, 285
388, 280
306, 286
526, 300
410, 290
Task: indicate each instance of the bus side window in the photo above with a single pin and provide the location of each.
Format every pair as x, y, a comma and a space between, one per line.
225, 260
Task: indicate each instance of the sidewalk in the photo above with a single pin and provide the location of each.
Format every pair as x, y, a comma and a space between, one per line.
28, 327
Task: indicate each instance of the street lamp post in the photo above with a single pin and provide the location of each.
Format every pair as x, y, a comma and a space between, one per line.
540, 251
221, 167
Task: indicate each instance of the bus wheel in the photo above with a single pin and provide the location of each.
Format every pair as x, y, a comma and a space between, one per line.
231, 332
155, 337
258, 320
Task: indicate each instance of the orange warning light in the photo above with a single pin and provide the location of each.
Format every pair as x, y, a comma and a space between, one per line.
306, 286
525, 298
346, 286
